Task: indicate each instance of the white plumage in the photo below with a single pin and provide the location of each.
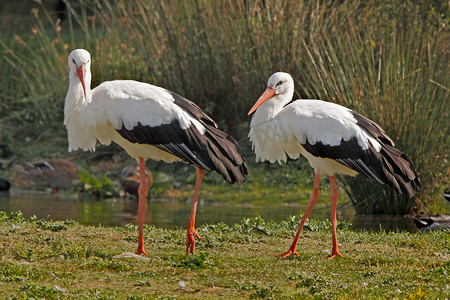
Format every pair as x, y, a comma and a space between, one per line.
122, 103
334, 140
148, 122
287, 127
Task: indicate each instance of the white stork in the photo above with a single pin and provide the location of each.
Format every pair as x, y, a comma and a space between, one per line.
334, 139
148, 122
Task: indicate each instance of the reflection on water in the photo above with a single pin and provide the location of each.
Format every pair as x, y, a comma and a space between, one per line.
175, 213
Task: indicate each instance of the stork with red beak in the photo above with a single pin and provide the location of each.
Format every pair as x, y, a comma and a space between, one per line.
334, 140
149, 122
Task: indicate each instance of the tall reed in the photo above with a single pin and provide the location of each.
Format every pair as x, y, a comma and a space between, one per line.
387, 60
391, 64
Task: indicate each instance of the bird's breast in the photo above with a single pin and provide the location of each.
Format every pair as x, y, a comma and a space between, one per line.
272, 140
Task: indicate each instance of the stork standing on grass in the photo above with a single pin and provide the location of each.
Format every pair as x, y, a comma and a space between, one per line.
334, 139
148, 122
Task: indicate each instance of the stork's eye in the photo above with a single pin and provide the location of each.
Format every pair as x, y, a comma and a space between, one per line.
279, 83
73, 60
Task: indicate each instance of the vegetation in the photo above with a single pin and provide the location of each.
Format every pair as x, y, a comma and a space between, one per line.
385, 59
43, 259
99, 185
397, 73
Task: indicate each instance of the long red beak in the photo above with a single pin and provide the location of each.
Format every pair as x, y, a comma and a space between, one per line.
268, 93
81, 72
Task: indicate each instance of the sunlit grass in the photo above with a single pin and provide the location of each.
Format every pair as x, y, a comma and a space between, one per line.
237, 261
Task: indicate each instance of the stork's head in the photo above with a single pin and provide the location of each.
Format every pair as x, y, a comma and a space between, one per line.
80, 66
279, 84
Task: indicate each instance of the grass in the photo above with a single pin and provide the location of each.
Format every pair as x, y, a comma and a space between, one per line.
367, 55
65, 260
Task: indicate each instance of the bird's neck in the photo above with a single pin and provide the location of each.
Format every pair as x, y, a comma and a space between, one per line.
76, 102
78, 114
75, 98
270, 109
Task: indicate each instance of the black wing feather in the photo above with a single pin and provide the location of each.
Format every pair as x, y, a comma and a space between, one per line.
193, 109
212, 151
387, 166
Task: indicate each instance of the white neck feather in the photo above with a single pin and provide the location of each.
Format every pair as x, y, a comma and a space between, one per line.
77, 114
272, 107
75, 99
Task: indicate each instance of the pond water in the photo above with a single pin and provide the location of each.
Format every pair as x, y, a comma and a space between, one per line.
169, 213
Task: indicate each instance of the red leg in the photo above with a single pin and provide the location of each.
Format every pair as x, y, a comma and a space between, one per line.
334, 197
143, 189
191, 233
312, 202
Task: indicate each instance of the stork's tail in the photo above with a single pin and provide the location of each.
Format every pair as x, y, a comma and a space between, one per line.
226, 155
399, 171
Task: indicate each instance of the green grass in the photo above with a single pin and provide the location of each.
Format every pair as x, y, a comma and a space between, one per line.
65, 260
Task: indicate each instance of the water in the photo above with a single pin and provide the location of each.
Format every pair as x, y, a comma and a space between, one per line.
175, 213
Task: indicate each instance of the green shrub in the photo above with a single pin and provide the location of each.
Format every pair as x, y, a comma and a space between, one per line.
98, 185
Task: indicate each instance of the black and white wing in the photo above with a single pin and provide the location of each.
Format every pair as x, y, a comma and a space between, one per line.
145, 114
328, 130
